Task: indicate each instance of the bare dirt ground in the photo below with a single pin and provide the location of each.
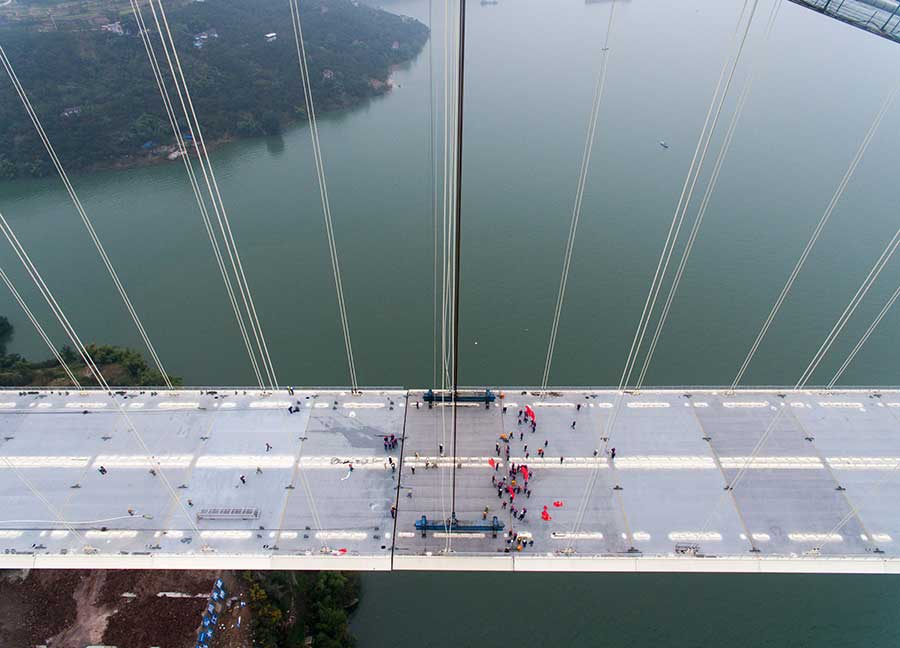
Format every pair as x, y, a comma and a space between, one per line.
74, 609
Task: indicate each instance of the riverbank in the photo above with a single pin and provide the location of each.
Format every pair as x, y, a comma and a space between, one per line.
100, 106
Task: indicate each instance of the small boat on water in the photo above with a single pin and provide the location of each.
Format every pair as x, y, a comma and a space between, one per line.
663, 144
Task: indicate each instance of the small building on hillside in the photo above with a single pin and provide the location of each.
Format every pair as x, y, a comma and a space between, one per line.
113, 28
271, 37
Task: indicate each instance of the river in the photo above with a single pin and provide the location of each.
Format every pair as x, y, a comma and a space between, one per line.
531, 69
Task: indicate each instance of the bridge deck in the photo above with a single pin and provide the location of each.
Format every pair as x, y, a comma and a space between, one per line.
823, 493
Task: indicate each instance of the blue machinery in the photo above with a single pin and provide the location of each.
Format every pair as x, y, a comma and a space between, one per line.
487, 397
424, 525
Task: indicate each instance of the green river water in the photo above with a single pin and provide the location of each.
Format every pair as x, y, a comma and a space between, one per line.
531, 69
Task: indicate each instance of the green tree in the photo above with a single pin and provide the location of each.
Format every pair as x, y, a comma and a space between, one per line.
6, 334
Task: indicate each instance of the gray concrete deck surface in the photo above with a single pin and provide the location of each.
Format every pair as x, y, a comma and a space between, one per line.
821, 493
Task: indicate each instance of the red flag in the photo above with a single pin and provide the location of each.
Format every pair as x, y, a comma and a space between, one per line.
545, 516
557, 504
492, 462
529, 412
525, 472
510, 489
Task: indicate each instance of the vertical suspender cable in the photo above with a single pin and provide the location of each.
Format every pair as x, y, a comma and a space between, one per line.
323, 187
707, 195
152, 460
187, 105
195, 185
665, 256
76, 201
817, 231
579, 197
40, 329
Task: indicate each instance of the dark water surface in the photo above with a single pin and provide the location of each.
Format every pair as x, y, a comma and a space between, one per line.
531, 69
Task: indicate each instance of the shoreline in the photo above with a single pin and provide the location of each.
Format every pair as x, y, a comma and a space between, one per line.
159, 155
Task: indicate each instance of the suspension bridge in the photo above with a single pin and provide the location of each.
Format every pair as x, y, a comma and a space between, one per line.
262, 487
801, 479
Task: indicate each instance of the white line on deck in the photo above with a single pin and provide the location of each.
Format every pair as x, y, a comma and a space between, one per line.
110, 535
816, 537
695, 536
226, 535
142, 461
864, 463
46, 462
341, 535
773, 463
245, 461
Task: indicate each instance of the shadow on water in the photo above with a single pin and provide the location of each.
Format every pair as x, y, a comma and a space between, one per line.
275, 145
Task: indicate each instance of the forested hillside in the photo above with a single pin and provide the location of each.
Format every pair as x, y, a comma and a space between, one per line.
94, 90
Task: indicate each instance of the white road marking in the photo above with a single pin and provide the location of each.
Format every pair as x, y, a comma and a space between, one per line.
248, 462
864, 463
655, 405
364, 405
695, 536
652, 462
118, 534
773, 463
578, 535
10, 535
877, 537
341, 535
170, 405
142, 461
841, 405
458, 534
7, 405
569, 405
84, 406
226, 535
45, 462
745, 404
758, 537
270, 404
816, 537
